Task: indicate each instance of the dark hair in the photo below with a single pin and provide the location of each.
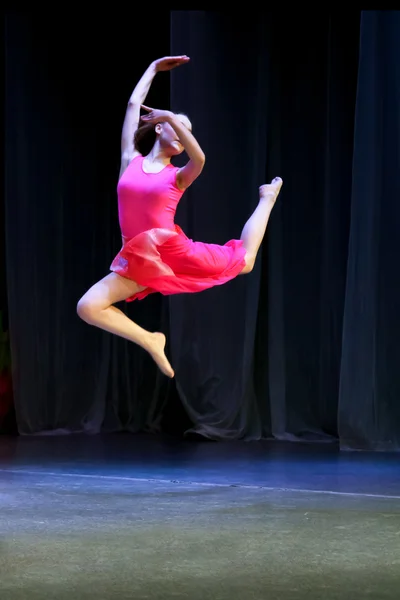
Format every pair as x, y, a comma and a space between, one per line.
145, 137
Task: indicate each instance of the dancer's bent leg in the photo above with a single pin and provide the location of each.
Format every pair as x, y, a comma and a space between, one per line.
96, 309
254, 230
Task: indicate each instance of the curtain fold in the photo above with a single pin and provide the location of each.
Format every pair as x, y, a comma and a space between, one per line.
369, 407
225, 93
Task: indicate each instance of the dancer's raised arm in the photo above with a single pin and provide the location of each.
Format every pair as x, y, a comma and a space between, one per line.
137, 98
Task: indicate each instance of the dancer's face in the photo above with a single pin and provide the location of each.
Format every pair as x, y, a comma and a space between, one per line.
168, 137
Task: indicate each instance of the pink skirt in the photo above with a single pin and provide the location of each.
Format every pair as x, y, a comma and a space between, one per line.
168, 262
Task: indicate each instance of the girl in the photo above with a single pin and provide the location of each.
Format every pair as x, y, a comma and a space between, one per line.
156, 255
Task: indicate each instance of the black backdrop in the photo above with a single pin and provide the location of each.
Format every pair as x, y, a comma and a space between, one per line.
306, 346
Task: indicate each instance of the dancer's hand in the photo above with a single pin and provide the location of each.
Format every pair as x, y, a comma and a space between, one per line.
170, 62
155, 115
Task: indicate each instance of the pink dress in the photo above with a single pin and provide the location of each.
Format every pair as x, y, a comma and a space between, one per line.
156, 253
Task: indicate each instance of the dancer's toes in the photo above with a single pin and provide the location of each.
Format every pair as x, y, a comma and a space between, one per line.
270, 191
156, 349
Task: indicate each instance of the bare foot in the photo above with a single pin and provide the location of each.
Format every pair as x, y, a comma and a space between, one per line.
270, 191
155, 348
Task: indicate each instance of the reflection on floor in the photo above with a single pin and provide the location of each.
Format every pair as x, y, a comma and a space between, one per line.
140, 516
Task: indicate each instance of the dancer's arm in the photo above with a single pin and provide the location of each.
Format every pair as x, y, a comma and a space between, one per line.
137, 98
189, 172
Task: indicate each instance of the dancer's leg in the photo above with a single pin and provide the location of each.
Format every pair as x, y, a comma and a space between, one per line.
254, 230
95, 307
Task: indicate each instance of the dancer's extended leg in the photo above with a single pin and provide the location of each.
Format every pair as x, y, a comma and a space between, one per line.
254, 230
95, 307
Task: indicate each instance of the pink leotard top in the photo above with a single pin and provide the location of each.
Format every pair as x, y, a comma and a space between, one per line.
146, 200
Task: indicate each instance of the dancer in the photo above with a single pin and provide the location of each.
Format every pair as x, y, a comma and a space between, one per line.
156, 255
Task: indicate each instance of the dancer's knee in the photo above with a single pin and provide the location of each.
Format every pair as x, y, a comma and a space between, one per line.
87, 309
108, 291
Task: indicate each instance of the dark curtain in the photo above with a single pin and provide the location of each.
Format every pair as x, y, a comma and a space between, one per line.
303, 348
369, 396
68, 79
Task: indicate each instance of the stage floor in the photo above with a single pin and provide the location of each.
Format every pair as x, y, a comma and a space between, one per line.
154, 517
